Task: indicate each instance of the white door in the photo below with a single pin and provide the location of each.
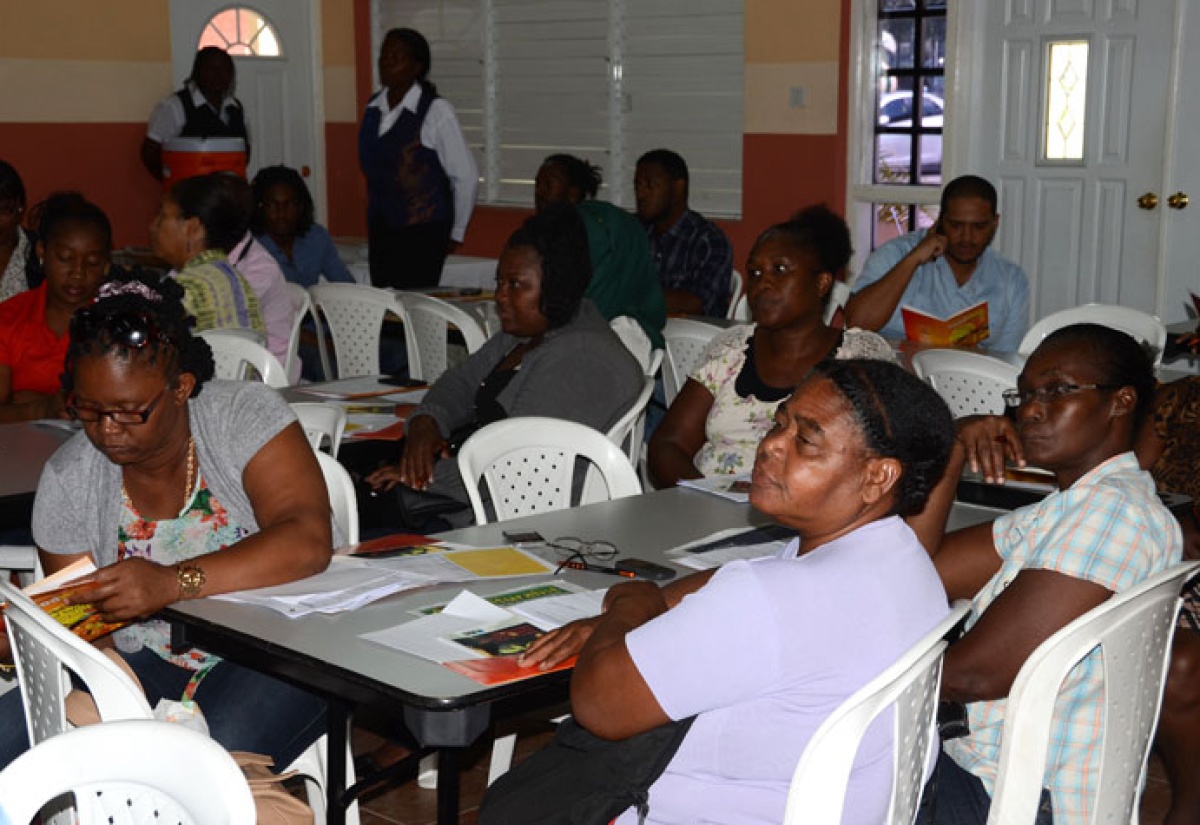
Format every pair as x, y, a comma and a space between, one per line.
281, 95
1077, 227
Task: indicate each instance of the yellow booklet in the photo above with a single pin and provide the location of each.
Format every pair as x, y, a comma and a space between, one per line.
65, 599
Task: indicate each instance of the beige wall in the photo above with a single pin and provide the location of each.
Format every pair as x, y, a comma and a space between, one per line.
792, 47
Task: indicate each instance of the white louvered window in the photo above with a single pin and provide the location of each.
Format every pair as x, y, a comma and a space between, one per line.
603, 79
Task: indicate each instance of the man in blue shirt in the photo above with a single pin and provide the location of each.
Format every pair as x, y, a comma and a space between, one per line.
692, 255
945, 270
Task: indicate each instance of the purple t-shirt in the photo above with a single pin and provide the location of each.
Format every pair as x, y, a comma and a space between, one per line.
764, 653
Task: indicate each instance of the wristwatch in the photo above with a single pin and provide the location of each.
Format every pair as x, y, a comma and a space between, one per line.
191, 580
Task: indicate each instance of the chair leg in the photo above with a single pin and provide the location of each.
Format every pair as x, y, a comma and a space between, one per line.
313, 766
427, 772
502, 754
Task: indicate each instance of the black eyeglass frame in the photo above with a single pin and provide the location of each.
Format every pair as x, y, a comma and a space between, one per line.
90, 415
1016, 398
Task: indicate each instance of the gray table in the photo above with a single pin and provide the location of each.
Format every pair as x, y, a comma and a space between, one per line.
24, 449
441, 708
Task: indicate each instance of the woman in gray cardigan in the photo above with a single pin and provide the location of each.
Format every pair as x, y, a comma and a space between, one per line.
556, 356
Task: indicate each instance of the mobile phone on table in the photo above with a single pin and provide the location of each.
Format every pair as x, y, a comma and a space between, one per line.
644, 569
523, 536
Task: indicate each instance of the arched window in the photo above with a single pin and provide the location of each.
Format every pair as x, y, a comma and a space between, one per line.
242, 32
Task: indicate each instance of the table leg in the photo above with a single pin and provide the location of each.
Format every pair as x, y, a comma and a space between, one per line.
447, 789
337, 729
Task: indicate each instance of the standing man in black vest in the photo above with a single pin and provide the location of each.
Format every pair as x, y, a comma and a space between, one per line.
203, 108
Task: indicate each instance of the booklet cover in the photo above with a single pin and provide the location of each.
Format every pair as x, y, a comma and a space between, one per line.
501, 670
965, 328
65, 599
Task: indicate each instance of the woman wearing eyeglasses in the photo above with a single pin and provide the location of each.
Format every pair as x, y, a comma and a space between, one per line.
178, 487
74, 247
1078, 402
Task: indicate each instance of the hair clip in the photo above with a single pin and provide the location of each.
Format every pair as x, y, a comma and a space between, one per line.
112, 289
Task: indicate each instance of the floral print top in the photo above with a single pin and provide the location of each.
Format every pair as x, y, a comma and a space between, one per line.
202, 527
737, 423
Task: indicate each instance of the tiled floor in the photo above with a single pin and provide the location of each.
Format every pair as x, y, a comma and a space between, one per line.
411, 805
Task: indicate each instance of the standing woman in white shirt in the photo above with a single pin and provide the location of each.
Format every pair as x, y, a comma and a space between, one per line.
421, 177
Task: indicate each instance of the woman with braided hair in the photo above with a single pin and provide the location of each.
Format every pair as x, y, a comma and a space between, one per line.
777, 644
178, 487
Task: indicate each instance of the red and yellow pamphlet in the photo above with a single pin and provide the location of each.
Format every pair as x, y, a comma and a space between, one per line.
500, 670
65, 599
962, 329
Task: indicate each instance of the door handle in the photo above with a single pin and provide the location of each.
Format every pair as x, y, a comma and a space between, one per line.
1147, 201
1178, 201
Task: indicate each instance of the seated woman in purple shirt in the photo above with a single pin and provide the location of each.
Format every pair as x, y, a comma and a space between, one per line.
283, 223
762, 652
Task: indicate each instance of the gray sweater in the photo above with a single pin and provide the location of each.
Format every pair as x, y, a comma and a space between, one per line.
580, 372
78, 504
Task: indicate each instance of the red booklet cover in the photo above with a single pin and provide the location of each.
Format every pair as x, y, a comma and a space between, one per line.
500, 670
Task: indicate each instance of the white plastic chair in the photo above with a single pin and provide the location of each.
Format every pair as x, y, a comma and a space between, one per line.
741, 310
430, 319
1144, 327
135, 771
322, 423
839, 294
736, 283
528, 464
45, 651
21, 559
302, 307
629, 431
686, 342
969, 382
233, 353
1134, 631
910, 687
355, 315
342, 499
635, 340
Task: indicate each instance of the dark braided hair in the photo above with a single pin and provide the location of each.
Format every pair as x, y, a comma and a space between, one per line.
820, 232
216, 204
900, 417
418, 49
581, 175
51, 216
1123, 361
559, 237
282, 176
155, 303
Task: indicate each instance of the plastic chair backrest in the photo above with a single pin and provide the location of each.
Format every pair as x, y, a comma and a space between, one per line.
1134, 631
630, 428
45, 652
635, 340
686, 342
1144, 327
132, 771
969, 382
910, 687
322, 423
21, 559
355, 315
528, 465
736, 284
430, 319
839, 293
302, 307
741, 311
233, 353
342, 499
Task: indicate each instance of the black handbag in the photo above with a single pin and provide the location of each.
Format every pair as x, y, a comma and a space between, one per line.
581, 779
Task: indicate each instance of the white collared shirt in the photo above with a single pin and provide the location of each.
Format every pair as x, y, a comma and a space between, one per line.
168, 118
441, 133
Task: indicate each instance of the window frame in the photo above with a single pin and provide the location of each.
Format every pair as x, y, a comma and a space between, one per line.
625, 141
862, 193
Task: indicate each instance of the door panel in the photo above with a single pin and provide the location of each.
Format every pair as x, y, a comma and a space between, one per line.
281, 95
1076, 229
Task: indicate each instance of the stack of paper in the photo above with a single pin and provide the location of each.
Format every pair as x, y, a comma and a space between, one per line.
735, 488
728, 545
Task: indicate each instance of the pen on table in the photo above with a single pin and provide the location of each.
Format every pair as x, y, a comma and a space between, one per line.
579, 565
